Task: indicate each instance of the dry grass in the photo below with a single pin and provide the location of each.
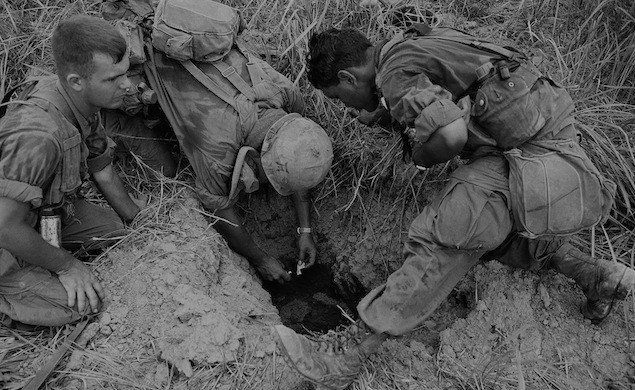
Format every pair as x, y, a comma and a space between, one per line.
586, 45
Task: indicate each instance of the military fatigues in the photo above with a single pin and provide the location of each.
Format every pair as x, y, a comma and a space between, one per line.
44, 159
420, 80
133, 134
209, 130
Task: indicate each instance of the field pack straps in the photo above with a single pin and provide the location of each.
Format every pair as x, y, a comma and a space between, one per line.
30, 82
423, 30
490, 47
215, 88
230, 73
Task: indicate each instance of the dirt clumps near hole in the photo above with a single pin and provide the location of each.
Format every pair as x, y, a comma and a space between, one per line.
181, 297
527, 328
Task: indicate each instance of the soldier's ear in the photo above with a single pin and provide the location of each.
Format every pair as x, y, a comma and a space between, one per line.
75, 82
346, 77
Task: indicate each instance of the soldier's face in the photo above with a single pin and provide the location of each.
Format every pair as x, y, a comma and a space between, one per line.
107, 86
360, 95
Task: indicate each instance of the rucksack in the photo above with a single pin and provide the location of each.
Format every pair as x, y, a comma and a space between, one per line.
196, 30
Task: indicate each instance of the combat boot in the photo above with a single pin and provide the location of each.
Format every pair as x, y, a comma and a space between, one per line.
602, 282
334, 359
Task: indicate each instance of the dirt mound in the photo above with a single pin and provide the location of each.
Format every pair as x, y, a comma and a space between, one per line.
526, 330
183, 303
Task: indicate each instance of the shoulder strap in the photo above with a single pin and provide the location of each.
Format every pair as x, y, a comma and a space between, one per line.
424, 30
10, 92
211, 85
229, 72
487, 46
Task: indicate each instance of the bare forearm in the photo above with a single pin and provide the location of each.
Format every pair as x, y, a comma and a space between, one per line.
237, 237
24, 242
112, 188
302, 203
27, 244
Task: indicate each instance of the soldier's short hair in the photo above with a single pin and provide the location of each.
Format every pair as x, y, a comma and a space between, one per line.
333, 50
77, 39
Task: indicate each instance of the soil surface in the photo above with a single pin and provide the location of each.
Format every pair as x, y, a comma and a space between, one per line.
186, 312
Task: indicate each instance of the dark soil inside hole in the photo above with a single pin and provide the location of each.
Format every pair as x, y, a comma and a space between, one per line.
311, 302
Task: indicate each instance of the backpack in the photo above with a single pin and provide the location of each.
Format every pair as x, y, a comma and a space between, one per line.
196, 30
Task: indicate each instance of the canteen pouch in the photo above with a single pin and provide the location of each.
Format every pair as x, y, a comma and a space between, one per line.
195, 30
506, 105
555, 189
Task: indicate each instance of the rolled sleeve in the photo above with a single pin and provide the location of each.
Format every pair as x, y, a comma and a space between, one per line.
28, 161
21, 192
96, 163
417, 103
438, 114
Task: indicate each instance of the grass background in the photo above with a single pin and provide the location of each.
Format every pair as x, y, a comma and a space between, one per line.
588, 46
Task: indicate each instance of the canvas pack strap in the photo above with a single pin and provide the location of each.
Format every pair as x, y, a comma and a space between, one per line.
418, 30
490, 47
238, 168
230, 73
215, 88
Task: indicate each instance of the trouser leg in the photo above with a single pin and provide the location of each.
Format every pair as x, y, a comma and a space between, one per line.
91, 227
33, 295
444, 243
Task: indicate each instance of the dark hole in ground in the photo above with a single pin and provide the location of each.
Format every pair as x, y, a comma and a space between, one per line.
309, 302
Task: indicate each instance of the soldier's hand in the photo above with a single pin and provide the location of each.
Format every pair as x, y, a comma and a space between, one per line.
80, 285
308, 251
271, 269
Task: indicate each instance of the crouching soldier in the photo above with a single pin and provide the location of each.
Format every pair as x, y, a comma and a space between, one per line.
239, 123
526, 185
51, 139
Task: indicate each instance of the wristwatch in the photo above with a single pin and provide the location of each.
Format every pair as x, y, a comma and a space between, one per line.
303, 230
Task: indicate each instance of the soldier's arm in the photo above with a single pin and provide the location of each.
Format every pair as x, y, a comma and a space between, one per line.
112, 188
24, 242
308, 251
241, 242
444, 144
435, 125
27, 162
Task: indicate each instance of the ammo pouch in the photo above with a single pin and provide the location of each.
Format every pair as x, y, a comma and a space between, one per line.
506, 106
555, 189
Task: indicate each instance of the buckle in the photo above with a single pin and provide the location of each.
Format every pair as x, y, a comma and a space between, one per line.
228, 72
484, 70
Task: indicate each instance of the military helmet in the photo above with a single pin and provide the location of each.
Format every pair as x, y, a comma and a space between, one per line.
296, 154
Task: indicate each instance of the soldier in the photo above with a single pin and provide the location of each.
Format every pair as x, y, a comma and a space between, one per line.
239, 123
425, 81
50, 141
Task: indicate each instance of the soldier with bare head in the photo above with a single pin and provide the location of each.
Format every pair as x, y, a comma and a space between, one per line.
52, 141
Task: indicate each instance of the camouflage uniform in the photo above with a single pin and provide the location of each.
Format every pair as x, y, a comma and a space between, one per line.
47, 149
209, 130
151, 144
470, 220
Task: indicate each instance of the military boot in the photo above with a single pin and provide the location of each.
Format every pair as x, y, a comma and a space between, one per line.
602, 282
334, 359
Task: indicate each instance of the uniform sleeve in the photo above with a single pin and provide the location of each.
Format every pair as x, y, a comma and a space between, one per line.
100, 149
417, 103
213, 178
279, 89
28, 161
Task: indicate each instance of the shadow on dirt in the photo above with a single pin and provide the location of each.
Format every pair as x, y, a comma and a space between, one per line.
312, 302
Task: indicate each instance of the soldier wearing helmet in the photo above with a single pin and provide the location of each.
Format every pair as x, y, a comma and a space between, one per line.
234, 147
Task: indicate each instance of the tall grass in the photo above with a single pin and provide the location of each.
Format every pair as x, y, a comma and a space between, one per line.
586, 45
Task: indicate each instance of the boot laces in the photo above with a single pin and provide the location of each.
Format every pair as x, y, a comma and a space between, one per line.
340, 340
